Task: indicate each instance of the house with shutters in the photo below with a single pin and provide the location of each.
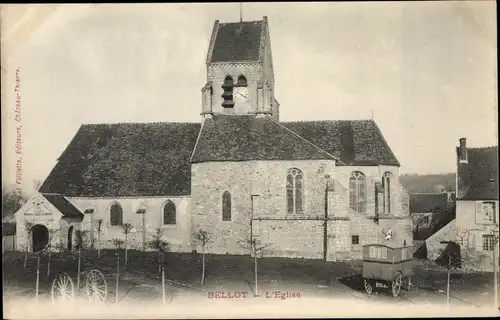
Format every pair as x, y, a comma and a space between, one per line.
477, 203
475, 228
309, 189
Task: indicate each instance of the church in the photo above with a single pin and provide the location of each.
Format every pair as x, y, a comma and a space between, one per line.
307, 189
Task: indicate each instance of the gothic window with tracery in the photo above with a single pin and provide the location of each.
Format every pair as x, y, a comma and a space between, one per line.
357, 194
386, 184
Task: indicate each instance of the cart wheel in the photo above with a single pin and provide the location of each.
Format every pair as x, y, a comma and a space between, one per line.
368, 286
396, 284
63, 288
96, 286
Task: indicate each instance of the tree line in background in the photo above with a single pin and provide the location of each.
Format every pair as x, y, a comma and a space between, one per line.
12, 201
428, 183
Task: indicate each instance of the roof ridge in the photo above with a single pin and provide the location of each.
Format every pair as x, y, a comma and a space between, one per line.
331, 120
381, 135
296, 134
482, 148
152, 122
197, 140
244, 21
440, 193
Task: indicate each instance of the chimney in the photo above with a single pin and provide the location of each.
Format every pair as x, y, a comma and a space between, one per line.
206, 103
462, 150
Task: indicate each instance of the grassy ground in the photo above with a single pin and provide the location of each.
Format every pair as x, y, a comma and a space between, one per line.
227, 272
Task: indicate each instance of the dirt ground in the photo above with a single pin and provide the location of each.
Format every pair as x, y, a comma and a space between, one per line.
279, 279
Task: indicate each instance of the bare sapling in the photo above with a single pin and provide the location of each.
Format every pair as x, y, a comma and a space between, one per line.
160, 247
203, 237
256, 248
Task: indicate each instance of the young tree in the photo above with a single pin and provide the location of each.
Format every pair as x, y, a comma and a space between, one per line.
28, 226
52, 233
98, 227
454, 255
126, 229
256, 248
82, 243
118, 244
202, 237
160, 247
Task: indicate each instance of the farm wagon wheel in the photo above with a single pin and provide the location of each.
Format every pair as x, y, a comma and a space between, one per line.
96, 286
396, 284
368, 284
62, 288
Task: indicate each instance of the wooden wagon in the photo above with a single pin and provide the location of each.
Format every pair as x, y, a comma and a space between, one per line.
387, 267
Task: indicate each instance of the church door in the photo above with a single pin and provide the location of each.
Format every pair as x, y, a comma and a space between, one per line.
40, 237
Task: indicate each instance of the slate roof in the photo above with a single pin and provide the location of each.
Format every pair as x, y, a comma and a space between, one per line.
154, 159
473, 177
125, 159
237, 41
354, 142
428, 203
245, 137
63, 205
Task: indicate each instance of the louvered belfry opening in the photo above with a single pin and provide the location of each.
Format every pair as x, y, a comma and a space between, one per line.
227, 94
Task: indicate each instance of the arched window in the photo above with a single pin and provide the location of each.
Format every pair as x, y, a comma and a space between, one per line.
386, 184
116, 215
357, 194
169, 215
242, 81
226, 206
227, 94
294, 191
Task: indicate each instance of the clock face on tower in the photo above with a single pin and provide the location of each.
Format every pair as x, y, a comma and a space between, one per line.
240, 94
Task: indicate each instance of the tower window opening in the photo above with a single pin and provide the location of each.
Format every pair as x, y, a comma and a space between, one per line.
227, 94
242, 81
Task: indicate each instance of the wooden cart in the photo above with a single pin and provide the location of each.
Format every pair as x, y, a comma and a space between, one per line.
95, 287
387, 267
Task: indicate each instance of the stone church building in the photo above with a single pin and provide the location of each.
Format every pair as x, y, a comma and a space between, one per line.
309, 189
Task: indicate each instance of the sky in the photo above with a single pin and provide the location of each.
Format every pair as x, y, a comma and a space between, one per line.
425, 71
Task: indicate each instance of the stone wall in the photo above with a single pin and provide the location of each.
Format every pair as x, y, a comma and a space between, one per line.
290, 238
208, 182
258, 190
177, 235
217, 73
347, 223
48, 216
470, 234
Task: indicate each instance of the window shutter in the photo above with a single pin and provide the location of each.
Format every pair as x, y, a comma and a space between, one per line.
479, 212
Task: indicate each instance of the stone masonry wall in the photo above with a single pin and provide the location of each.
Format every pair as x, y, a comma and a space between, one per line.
217, 73
290, 238
348, 223
48, 217
177, 235
469, 234
258, 189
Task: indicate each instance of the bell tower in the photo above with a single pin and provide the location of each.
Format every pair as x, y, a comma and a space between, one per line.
240, 75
